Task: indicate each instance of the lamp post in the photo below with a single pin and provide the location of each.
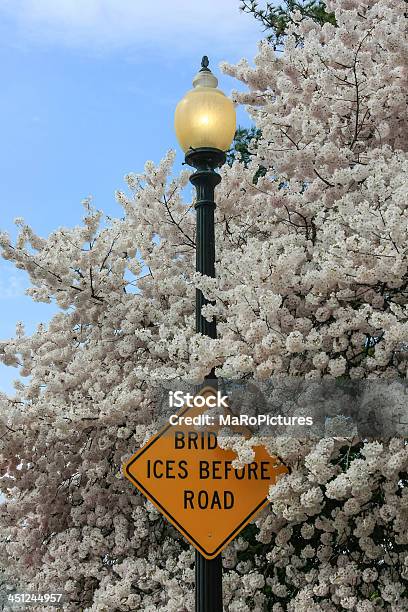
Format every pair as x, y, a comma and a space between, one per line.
205, 125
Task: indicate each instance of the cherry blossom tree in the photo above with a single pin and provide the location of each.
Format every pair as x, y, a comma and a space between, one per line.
312, 277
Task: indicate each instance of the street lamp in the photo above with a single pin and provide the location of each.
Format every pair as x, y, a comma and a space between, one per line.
205, 124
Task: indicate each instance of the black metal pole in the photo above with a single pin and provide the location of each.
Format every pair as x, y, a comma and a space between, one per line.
208, 573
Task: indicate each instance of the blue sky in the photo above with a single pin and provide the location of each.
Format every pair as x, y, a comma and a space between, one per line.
88, 94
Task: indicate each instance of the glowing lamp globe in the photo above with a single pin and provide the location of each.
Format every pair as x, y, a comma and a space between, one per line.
205, 117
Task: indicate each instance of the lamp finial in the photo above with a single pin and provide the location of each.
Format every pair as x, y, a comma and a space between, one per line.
204, 64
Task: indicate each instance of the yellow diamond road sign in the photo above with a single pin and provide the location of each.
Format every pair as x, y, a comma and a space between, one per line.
192, 481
